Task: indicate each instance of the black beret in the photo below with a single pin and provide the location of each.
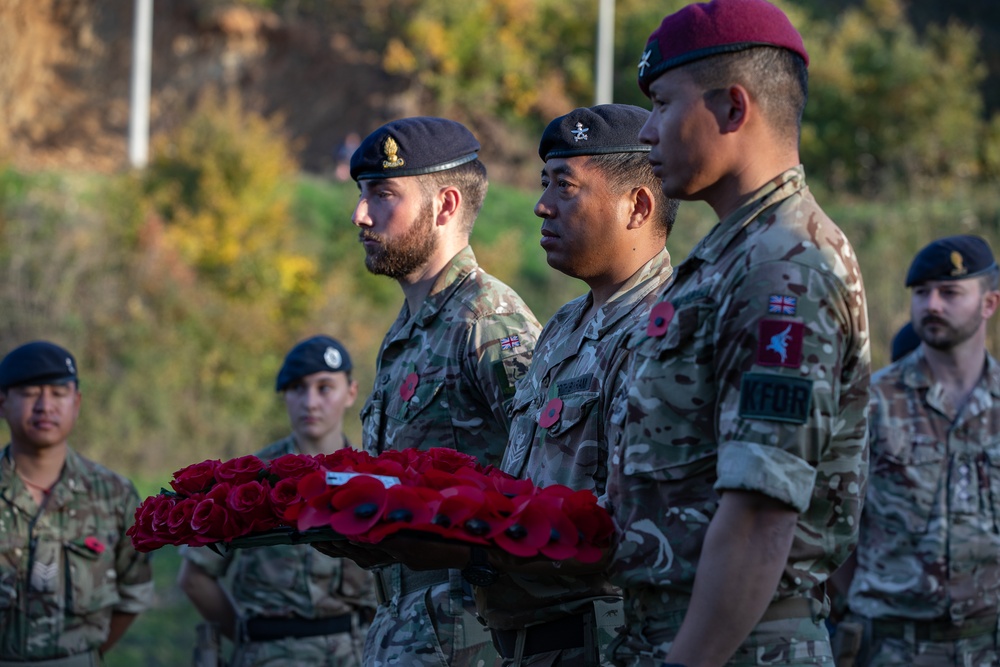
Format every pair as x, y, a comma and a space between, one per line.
37, 362
951, 258
904, 342
600, 130
319, 353
413, 146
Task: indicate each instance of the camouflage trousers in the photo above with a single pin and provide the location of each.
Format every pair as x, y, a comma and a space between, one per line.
972, 652
430, 627
790, 642
601, 626
340, 650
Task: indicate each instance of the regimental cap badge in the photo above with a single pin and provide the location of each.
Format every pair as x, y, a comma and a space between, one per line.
69, 365
332, 358
958, 264
958, 257
580, 133
391, 150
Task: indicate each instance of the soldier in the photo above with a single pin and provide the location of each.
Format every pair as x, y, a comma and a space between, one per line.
70, 581
927, 583
737, 481
447, 366
605, 221
288, 604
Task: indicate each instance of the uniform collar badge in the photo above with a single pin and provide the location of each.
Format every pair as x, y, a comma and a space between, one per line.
391, 150
958, 263
580, 133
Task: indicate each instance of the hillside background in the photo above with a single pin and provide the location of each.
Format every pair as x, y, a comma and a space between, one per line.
180, 286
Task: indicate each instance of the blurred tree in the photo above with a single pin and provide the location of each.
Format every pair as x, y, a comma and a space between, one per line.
222, 183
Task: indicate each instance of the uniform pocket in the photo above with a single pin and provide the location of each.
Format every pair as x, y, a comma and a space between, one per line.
907, 473
92, 577
670, 431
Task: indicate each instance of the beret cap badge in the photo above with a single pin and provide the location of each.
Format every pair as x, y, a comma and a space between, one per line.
332, 357
956, 261
391, 150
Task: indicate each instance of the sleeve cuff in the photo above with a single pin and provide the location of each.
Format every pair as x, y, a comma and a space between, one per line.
773, 472
134, 598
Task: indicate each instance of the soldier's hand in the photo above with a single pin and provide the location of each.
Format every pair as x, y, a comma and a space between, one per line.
365, 555
418, 554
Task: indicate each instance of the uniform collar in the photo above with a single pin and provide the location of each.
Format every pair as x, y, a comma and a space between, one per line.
454, 274
71, 481
648, 278
777, 189
916, 373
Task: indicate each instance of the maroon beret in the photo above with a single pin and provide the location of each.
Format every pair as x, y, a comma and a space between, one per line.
707, 29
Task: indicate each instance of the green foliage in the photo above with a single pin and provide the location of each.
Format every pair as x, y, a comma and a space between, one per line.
888, 107
222, 184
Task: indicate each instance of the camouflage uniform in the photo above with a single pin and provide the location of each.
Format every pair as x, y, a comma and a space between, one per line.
930, 532
67, 567
757, 382
583, 365
293, 581
468, 344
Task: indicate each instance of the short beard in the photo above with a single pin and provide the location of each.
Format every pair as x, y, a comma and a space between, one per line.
403, 256
950, 336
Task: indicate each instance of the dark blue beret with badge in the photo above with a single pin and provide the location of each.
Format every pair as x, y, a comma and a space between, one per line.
951, 258
36, 363
600, 130
313, 355
413, 147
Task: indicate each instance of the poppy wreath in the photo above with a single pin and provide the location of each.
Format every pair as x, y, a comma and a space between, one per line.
438, 492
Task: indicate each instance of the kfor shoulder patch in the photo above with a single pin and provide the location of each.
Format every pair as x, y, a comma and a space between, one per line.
775, 398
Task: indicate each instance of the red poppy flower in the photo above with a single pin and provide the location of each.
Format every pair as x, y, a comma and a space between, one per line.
593, 524
550, 413
317, 496
357, 506
94, 544
563, 535
406, 507
409, 386
659, 318
528, 530
511, 486
458, 504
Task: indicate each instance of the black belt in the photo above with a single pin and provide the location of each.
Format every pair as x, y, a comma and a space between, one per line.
409, 581
559, 635
936, 631
267, 629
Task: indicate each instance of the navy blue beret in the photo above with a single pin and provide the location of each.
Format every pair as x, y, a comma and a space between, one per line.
951, 258
606, 128
313, 355
904, 342
35, 363
412, 147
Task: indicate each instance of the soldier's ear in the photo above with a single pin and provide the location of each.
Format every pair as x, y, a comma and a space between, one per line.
991, 300
641, 200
